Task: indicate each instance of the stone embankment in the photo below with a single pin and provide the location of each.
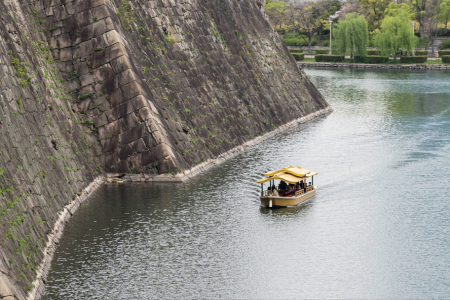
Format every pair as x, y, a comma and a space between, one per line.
373, 66
154, 90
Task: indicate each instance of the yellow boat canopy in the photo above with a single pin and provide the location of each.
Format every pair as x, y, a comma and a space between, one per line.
290, 175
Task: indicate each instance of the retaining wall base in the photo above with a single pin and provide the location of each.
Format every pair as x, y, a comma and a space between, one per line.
181, 177
373, 66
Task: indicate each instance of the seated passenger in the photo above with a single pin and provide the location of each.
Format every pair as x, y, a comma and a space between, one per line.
274, 191
282, 186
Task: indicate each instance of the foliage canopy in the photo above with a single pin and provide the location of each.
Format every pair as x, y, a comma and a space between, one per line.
396, 32
351, 36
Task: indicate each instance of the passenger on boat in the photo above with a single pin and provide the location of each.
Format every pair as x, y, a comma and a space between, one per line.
274, 191
282, 186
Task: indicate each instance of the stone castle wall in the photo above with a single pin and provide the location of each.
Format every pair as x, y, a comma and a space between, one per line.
187, 81
149, 88
46, 157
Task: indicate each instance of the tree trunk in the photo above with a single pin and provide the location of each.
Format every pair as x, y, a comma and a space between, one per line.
432, 45
309, 44
421, 29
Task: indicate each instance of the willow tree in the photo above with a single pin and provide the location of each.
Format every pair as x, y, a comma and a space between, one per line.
351, 36
396, 32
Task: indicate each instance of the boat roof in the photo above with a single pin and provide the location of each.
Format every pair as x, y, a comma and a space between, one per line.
290, 175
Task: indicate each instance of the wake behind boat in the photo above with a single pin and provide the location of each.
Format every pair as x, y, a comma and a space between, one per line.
293, 188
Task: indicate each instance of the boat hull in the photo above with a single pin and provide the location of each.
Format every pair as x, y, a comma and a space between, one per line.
286, 201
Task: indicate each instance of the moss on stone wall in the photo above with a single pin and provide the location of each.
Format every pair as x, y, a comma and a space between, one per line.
144, 87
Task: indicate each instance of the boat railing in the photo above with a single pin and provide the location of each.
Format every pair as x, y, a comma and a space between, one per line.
298, 193
268, 193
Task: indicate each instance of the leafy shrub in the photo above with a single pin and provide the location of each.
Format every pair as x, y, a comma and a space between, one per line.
298, 41
322, 51
329, 58
373, 52
446, 59
298, 56
423, 43
443, 52
445, 44
298, 50
413, 59
371, 59
326, 43
421, 52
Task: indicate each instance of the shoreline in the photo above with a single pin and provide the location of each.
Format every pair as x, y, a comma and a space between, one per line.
186, 175
68, 210
373, 66
55, 235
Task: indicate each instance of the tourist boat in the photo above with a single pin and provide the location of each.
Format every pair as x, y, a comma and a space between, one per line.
292, 190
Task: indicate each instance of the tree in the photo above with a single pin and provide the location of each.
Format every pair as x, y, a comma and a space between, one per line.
312, 19
374, 11
420, 10
307, 22
393, 9
443, 12
351, 36
276, 12
431, 22
328, 8
396, 32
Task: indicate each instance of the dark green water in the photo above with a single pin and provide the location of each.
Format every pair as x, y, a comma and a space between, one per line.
378, 228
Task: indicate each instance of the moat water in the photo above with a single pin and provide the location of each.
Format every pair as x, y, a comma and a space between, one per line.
378, 228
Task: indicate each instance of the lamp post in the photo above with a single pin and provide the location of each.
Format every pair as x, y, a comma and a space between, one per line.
413, 22
331, 22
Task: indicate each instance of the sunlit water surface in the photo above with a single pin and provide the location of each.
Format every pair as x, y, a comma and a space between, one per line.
378, 227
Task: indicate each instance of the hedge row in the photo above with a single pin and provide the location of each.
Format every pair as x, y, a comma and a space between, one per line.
298, 41
298, 56
446, 59
413, 59
373, 52
445, 44
421, 52
443, 52
371, 59
322, 51
329, 58
298, 50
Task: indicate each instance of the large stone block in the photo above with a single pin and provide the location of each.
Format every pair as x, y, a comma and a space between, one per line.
104, 72
121, 64
129, 121
132, 134
127, 76
113, 128
100, 12
86, 49
84, 18
131, 90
